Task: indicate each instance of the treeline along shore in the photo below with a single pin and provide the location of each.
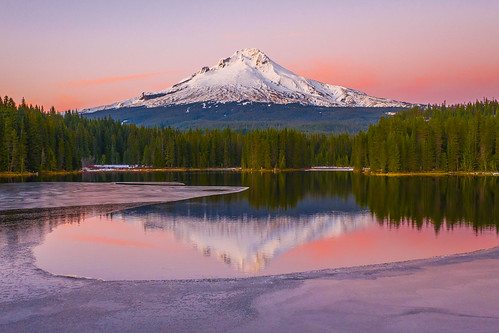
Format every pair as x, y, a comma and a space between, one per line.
438, 138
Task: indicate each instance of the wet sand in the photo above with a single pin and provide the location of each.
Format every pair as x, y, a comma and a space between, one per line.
456, 293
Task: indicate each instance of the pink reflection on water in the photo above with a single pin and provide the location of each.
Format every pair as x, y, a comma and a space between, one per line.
123, 249
381, 244
107, 240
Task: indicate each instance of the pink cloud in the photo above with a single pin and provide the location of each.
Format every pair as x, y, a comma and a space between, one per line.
108, 80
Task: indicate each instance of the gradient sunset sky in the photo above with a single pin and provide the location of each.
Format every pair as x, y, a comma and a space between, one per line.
78, 54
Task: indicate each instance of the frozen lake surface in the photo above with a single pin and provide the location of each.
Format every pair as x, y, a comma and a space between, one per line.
70, 194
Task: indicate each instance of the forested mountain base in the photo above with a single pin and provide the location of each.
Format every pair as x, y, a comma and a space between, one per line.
439, 138
251, 116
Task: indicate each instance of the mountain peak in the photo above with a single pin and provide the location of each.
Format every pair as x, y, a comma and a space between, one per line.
252, 57
249, 52
253, 54
250, 75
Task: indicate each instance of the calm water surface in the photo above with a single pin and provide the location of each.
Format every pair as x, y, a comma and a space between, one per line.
287, 222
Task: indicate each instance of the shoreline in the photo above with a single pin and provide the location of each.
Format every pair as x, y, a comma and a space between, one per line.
433, 173
247, 170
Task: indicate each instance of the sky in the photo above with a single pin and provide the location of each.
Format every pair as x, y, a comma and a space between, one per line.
79, 54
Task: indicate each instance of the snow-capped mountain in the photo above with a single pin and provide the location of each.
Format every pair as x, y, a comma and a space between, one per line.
251, 76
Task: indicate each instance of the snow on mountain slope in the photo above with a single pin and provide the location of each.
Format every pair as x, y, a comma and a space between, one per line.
250, 75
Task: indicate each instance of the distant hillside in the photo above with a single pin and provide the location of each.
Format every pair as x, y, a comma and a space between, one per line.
247, 116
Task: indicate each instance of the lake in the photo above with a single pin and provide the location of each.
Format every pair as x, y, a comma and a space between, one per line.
285, 222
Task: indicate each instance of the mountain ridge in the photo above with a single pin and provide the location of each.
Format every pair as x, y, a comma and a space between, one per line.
249, 75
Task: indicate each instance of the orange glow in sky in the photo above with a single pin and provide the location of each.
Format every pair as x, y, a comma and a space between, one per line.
75, 55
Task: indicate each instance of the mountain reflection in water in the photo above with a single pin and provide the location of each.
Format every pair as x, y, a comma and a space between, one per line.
245, 241
285, 222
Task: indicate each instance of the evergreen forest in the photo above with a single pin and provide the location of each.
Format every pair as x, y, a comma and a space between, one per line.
436, 138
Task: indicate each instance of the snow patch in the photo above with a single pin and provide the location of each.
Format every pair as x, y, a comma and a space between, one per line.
330, 168
108, 167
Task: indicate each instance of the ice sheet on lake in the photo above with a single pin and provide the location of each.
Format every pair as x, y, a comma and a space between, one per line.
68, 194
